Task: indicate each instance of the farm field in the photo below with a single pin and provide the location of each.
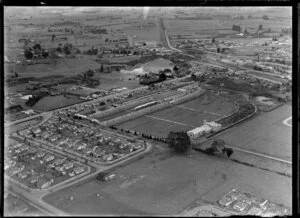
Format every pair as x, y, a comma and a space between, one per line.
216, 27
53, 102
116, 80
264, 134
64, 67
165, 184
183, 117
264, 75
15, 206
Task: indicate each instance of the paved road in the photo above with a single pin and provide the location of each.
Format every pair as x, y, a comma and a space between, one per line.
286, 122
46, 212
261, 155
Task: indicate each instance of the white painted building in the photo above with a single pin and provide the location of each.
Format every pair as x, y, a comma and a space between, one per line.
199, 131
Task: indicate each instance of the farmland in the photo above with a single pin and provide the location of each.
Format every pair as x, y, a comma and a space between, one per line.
53, 102
167, 184
268, 134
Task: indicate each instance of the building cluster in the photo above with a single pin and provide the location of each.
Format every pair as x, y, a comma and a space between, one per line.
82, 141
245, 204
36, 168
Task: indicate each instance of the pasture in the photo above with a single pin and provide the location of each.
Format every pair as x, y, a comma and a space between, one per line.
265, 134
165, 184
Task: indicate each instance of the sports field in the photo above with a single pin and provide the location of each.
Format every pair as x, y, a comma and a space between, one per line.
163, 183
265, 133
183, 117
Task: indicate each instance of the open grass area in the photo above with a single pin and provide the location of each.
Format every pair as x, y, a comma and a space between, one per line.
16, 206
53, 102
164, 184
264, 134
183, 117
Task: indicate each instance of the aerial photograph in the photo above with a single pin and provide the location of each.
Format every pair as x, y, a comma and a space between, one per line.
147, 111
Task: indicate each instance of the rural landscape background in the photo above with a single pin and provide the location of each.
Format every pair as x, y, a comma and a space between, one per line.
181, 111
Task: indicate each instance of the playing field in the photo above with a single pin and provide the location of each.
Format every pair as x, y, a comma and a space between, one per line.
183, 117
265, 133
164, 184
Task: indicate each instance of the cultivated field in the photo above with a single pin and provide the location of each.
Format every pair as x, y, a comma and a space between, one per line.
264, 133
15, 206
215, 27
183, 117
53, 102
165, 184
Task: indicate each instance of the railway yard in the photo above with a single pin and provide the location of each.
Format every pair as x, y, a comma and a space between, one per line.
89, 109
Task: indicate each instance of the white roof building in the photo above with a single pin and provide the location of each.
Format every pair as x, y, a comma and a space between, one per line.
199, 131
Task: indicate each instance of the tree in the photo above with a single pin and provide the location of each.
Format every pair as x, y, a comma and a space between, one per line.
236, 28
179, 141
28, 54
67, 49
175, 68
229, 152
45, 54
265, 17
37, 47
162, 76
89, 73
213, 40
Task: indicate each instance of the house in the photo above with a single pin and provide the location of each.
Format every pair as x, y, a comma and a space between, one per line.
17, 145
36, 130
136, 146
98, 152
40, 154
34, 179
22, 175
45, 135
28, 112
254, 211
32, 150
53, 138
9, 164
24, 148
81, 146
68, 165
240, 206
78, 170
58, 162
60, 142
117, 141
108, 157
49, 157
225, 201
88, 150
59, 168
71, 143
43, 183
